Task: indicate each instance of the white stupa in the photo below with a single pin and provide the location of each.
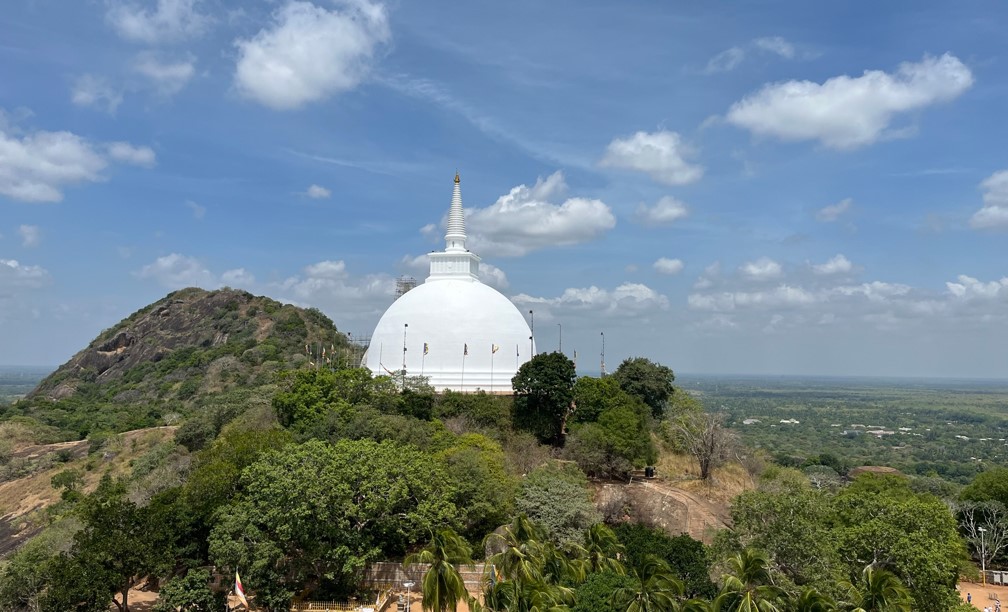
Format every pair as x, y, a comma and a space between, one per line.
459, 333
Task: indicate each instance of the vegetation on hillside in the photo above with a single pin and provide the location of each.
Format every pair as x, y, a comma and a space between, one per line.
300, 476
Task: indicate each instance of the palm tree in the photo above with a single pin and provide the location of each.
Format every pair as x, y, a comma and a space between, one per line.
442, 585
811, 600
602, 550
526, 574
878, 590
521, 554
657, 590
749, 587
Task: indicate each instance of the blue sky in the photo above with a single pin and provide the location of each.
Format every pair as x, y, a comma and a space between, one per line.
778, 188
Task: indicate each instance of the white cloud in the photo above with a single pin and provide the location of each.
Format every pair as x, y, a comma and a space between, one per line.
128, 154
782, 296
327, 269
14, 275
30, 235
416, 265
176, 271
310, 53
664, 265
628, 298
971, 288
491, 275
994, 214
732, 58
167, 77
662, 155
170, 20
37, 166
762, 269
838, 264
729, 59
667, 210
95, 92
832, 212
849, 112
318, 192
329, 286
238, 277
198, 211
777, 45
525, 219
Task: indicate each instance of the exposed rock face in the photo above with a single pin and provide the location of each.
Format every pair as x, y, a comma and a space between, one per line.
190, 333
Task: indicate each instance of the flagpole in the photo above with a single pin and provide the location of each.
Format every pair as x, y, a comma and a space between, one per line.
465, 351
492, 351
423, 358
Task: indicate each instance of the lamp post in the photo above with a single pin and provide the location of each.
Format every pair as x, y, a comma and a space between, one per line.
404, 328
560, 342
408, 584
531, 341
603, 353
983, 553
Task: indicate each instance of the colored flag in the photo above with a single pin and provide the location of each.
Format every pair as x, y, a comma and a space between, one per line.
493, 348
239, 590
465, 349
517, 354
425, 348
575, 354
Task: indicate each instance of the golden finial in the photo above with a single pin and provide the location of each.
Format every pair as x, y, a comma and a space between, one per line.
457, 181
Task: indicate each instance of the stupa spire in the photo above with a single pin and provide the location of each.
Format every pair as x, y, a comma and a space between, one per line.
456, 236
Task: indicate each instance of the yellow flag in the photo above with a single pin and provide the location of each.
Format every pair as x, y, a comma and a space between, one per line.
240, 590
493, 348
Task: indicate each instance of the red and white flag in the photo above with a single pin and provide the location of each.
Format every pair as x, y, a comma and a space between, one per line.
239, 590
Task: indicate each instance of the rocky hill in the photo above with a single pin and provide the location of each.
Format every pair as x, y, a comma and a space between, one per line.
174, 353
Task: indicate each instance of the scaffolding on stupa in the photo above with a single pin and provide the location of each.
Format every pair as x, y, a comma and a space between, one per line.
403, 284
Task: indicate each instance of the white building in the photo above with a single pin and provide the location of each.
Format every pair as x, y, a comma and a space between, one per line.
453, 329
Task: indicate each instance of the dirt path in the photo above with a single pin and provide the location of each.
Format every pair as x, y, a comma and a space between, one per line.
984, 595
702, 516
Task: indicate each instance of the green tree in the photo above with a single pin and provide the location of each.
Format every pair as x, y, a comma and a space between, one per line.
655, 590
688, 559
791, 523
312, 516
748, 586
882, 523
556, 497
811, 600
485, 491
442, 585
593, 396
878, 591
189, 593
602, 550
989, 485
526, 573
646, 380
544, 394
614, 445
595, 593
118, 542
69, 479
308, 394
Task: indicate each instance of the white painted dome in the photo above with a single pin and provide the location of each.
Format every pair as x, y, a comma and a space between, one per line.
459, 321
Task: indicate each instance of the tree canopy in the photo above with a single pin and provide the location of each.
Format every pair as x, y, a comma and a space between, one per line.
544, 393
649, 381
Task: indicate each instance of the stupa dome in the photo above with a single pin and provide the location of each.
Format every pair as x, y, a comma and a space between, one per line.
454, 330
